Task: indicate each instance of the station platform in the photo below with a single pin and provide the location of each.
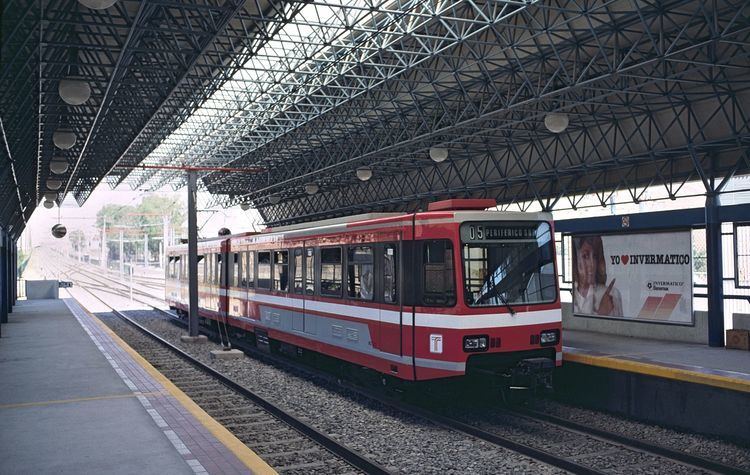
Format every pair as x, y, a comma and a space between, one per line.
689, 362
74, 398
687, 386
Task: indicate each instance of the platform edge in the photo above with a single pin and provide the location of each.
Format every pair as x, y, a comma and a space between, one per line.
666, 372
249, 458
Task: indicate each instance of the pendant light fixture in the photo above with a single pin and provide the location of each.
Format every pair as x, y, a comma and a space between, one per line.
64, 138
556, 122
74, 91
438, 154
97, 4
364, 173
58, 166
54, 184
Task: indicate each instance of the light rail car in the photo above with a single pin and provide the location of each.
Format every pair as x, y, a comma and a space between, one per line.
421, 296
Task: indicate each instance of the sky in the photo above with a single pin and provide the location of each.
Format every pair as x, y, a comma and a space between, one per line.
38, 230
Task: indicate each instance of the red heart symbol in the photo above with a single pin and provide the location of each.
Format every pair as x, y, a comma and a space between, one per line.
625, 259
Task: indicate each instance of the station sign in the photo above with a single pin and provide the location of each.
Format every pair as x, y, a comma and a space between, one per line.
498, 232
646, 276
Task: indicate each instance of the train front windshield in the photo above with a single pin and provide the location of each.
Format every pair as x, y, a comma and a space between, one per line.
508, 263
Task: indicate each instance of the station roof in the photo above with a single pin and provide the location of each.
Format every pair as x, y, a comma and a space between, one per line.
283, 95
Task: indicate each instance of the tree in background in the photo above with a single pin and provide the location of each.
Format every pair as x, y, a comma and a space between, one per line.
147, 218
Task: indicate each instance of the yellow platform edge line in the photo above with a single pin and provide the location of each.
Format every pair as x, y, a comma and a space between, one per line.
68, 401
678, 374
251, 460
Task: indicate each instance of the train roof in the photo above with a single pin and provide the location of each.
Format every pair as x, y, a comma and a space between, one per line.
441, 211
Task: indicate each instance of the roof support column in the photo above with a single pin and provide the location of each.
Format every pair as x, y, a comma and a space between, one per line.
9, 272
13, 272
715, 275
192, 254
4, 276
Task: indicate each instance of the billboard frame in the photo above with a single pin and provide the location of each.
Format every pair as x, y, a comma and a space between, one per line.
688, 230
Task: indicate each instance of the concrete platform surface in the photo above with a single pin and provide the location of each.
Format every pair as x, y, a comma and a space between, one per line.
73, 400
697, 358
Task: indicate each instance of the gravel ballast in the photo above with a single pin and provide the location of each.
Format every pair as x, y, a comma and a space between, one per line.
402, 443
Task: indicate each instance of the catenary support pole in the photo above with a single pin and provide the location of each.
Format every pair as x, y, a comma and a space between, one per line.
104, 254
714, 272
122, 255
192, 254
164, 242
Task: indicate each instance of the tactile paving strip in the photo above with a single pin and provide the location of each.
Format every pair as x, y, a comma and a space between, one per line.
202, 452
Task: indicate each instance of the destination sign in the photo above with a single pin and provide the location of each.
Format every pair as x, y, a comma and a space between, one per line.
498, 232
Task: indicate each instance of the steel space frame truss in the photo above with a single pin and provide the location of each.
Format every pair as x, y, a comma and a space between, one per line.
148, 63
657, 94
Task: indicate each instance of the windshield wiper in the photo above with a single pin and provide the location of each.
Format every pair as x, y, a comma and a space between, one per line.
507, 305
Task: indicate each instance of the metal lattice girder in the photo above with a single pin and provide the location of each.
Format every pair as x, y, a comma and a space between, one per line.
657, 93
331, 53
149, 65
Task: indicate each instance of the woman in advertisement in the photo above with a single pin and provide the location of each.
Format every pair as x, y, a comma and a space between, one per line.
593, 295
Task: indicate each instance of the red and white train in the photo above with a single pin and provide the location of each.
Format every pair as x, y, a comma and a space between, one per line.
417, 296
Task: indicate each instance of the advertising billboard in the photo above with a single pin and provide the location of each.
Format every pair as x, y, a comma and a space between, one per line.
634, 276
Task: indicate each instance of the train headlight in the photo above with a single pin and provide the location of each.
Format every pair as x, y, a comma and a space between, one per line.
549, 337
476, 343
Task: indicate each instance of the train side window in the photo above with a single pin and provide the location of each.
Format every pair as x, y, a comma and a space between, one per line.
250, 270
360, 276
281, 271
390, 274
234, 279
310, 271
264, 270
298, 285
330, 271
438, 285
218, 270
201, 268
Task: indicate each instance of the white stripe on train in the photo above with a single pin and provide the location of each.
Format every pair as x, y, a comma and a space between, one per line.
432, 320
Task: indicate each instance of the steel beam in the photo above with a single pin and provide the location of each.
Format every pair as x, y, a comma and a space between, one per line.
192, 188
714, 273
4, 284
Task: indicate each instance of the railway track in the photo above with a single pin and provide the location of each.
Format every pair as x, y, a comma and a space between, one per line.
282, 440
568, 445
565, 444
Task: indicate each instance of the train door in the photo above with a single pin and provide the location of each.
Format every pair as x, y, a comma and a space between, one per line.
391, 320
308, 323
296, 288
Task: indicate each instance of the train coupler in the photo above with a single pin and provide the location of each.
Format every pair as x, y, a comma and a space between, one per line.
529, 377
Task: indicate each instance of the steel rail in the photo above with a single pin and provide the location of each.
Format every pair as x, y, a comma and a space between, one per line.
682, 457
350, 456
611, 437
462, 427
